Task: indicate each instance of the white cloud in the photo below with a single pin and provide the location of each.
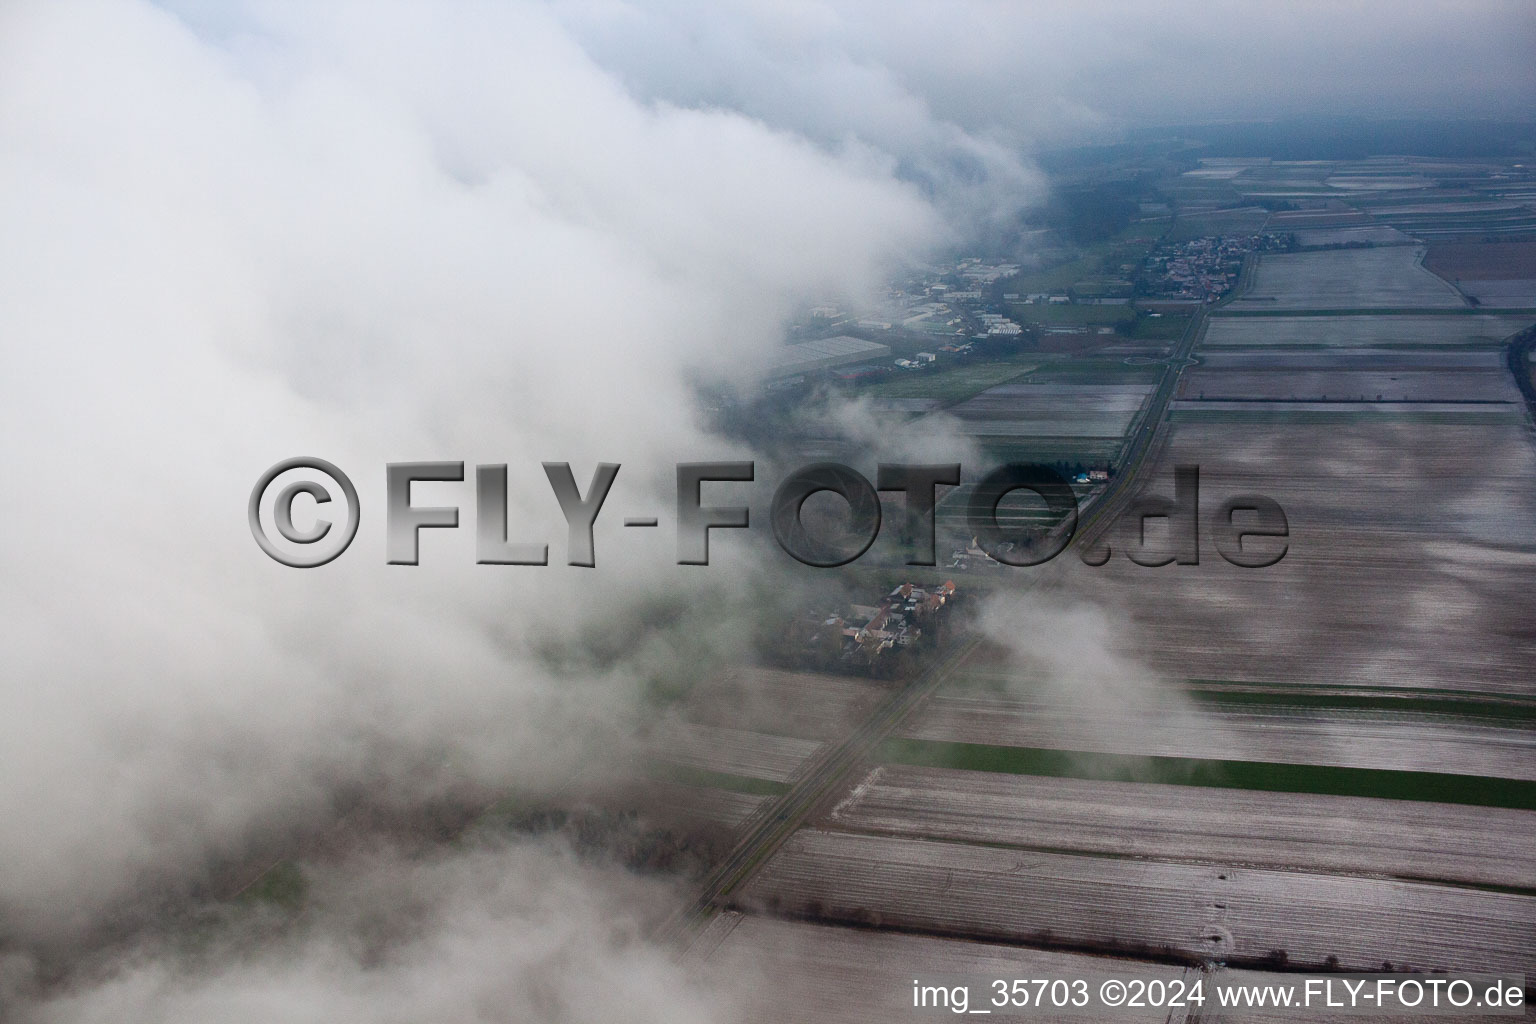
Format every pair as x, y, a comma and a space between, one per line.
506, 934
372, 234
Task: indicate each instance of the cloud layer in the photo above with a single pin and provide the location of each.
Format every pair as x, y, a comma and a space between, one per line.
372, 235
497, 233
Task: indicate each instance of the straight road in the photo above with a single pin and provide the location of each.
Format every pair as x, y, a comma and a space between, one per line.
783, 816
1117, 496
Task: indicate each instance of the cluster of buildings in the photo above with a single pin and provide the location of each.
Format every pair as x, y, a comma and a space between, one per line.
932, 304
824, 354
979, 274
945, 304
997, 324
935, 317
866, 637
1203, 269
971, 557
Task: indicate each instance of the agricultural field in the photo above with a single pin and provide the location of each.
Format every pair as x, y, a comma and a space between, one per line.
1375, 234
1346, 413
1382, 385
1246, 220
1280, 384
1494, 273
1448, 206
1456, 217
1225, 168
1508, 294
1385, 278
741, 738
808, 705
907, 406
1302, 831
797, 971
1470, 330
1090, 263
1163, 327
1242, 915
1418, 532
1052, 410
1071, 313
1167, 726
1101, 368
1369, 182
1453, 360
1335, 215
1483, 260
949, 383
689, 805
737, 752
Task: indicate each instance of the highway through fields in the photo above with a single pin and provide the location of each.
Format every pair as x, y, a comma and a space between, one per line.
1116, 498
781, 817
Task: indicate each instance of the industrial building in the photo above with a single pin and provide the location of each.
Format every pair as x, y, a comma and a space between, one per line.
823, 354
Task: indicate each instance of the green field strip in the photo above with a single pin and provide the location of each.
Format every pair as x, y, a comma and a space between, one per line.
1331, 780
1306, 696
